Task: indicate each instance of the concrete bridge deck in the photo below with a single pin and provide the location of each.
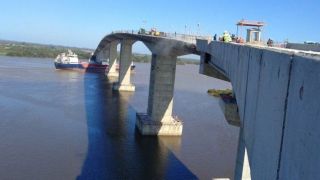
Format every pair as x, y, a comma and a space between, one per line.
275, 91
175, 43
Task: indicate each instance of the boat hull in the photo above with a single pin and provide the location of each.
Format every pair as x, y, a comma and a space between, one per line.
133, 67
68, 66
95, 67
86, 66
83, 66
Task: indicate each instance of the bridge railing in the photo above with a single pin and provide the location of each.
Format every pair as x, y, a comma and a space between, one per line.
176, 36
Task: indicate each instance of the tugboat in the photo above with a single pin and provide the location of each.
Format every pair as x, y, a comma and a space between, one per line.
133, 66
67, 61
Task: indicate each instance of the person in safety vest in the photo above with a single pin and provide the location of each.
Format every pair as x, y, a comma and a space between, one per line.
226, 37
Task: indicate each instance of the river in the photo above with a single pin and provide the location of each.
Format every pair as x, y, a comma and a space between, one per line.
58, 124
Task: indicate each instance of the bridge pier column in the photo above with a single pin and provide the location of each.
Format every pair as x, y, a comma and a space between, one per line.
112, 69
105, 55
100, 56
124, 83
158, 120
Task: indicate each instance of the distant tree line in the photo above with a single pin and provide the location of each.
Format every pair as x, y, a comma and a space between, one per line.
23, 49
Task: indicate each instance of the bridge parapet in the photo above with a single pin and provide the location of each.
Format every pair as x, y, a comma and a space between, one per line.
174, 36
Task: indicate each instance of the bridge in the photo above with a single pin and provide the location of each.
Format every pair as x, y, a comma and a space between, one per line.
165, 49
275, 91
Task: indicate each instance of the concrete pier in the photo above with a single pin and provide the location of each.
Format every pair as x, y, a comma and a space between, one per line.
124, 83
158, 120
102, 55
112, 69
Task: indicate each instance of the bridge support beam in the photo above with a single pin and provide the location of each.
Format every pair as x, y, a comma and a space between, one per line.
158, 120
112, 69
124, 83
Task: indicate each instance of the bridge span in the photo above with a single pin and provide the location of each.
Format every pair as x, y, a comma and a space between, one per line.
158, 119
275, 91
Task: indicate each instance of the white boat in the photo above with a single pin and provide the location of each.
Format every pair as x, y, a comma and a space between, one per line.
67, 61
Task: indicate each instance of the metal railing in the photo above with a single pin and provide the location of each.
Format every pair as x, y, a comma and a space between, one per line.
176, 36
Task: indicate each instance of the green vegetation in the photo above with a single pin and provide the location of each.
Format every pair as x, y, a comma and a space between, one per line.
143, 58
183, 61
22, 49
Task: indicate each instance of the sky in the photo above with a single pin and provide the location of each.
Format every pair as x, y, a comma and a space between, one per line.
83, 23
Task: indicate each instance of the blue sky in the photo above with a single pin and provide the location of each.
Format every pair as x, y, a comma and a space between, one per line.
83, 23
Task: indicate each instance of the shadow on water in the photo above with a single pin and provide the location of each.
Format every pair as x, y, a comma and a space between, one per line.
115, 148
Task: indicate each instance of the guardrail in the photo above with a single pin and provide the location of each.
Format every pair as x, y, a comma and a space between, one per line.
176, 36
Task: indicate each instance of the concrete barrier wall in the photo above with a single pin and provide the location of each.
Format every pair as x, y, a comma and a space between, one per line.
301, 146
276, 128
305, 47
268, 76
202, 45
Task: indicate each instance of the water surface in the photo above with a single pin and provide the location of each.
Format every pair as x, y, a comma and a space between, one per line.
57, 124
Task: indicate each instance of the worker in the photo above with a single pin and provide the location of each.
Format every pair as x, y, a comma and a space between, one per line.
226, 37
215, 37
233, 38
270, 42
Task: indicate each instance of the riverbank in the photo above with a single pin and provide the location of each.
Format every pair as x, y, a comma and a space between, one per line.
23, 49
